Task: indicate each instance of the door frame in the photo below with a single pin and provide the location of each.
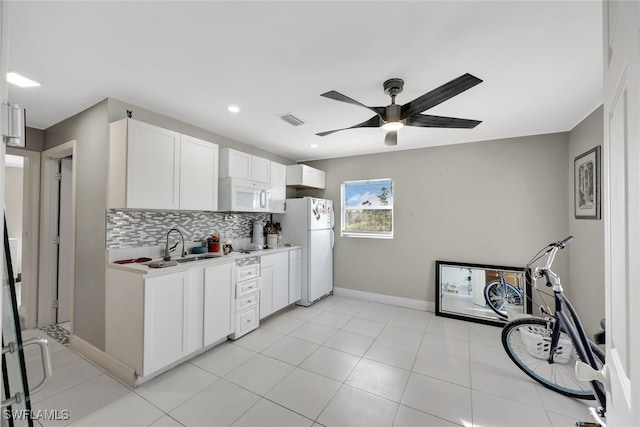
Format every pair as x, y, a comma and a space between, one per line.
49, 228
621, 208
30, 234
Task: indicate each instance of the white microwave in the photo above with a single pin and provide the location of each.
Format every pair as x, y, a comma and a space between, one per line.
241, 195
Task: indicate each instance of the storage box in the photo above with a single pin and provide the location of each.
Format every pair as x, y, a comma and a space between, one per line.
538, 345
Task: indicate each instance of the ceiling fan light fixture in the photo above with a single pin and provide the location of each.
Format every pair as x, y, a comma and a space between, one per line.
389, 126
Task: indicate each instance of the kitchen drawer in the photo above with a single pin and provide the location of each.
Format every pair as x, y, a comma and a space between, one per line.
245, 288
246, 321
248, 272
247, 301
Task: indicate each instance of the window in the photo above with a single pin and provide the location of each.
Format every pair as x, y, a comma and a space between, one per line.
367, 208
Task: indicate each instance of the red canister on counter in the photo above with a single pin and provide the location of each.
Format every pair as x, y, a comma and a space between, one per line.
213, 243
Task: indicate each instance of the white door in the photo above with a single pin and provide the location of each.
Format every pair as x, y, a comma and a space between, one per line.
320, 264
65, 249
621, 208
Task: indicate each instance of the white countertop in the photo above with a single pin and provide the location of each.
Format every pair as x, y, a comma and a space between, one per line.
143, 268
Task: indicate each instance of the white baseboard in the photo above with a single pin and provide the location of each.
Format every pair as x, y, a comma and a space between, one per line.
115, 368
385, 299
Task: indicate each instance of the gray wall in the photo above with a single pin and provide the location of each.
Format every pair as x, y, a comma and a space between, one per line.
586, 252
492, 202
90, 131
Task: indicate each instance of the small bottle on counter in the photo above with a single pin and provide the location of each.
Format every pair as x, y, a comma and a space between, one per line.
279, 239
226, 245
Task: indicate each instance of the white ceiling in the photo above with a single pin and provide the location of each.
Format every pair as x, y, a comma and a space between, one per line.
541, 63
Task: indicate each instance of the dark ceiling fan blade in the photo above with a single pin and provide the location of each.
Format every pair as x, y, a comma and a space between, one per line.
373, 122
391, 138
337, 96
439, 95
428, 121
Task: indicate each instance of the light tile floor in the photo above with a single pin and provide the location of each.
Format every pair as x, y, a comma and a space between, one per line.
341, 362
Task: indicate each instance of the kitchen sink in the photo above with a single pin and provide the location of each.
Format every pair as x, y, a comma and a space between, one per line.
196, 258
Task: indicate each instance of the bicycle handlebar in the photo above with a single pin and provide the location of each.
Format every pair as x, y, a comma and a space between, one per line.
546, 271
562, 243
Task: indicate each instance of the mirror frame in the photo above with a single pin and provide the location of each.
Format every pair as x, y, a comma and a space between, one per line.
478, 319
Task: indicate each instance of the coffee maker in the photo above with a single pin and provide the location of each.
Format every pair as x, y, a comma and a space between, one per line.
258, 232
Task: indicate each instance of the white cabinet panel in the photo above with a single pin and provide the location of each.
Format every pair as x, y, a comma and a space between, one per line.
295, 275
198, 174
237, 164
152, 167
260, 169
155, 168
165, 308
219, 313
266, 291
303, 176
278, 187
246, 321
274, 283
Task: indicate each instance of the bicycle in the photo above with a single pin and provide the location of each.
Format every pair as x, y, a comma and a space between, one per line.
498, 293
547, 349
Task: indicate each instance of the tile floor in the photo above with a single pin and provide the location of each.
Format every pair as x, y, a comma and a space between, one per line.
341, 362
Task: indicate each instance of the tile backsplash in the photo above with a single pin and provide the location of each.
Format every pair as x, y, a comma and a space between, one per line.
129, 229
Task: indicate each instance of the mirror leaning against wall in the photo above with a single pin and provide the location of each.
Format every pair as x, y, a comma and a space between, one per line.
489, 294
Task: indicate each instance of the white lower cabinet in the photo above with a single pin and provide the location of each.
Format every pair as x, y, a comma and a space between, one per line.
247, 300
246, 321
219, 307
153, 322
295, 275
166, 301
274, 282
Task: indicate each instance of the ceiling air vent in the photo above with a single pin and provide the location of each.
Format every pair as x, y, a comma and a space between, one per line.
291, 119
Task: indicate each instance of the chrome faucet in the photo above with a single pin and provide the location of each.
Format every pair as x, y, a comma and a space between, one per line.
167, 250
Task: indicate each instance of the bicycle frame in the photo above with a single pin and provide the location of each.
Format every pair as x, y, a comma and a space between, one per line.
571, 324
584, 347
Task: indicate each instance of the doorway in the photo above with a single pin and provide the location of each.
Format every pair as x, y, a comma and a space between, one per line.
57, 241
24, 220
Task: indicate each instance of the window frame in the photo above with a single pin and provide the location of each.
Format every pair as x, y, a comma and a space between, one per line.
344, 209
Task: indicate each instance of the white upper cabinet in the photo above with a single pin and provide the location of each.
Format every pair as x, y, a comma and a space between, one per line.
237, 164
198, 174
155, 168
303, 176
260, 169
278, 187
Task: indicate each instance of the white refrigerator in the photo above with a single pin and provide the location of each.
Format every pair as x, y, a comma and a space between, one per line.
308, 221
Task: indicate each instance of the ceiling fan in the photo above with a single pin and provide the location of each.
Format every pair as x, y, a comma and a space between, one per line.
393, 117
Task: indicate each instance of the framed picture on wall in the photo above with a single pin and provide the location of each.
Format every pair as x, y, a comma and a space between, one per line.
586, 184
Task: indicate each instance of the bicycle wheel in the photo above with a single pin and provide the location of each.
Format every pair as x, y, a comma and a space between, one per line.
497, 299
527, 342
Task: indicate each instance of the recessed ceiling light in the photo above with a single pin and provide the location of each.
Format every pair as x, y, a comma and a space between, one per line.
314, 146
233, 108
21, 81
